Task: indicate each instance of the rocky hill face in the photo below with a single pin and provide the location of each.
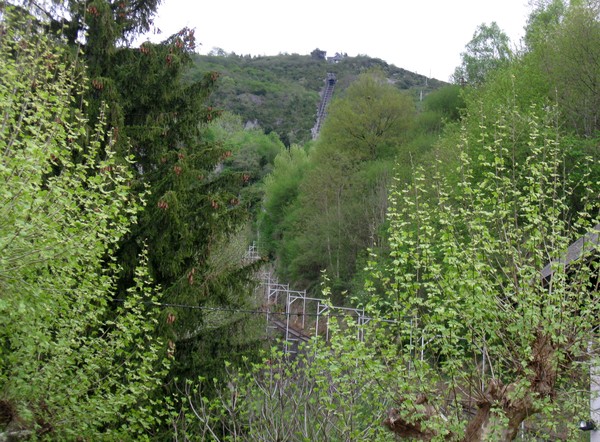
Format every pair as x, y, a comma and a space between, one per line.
282, 93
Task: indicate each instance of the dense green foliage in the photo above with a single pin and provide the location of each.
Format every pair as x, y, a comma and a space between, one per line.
472, 341
193, 205
481, 346
195, 210
72, 362
567, 56
466, 262
324, 206
129, 198
249, 152
333, 392
473, 349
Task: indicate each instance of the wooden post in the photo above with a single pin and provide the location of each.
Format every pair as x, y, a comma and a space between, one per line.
595, 401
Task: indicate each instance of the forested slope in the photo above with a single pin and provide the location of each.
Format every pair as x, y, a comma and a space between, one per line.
281, 93
131, 185
472, 342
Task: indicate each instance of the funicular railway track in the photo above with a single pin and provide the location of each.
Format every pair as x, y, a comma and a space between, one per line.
325, 99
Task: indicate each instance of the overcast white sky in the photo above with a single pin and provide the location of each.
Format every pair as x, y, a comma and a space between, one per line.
423, 36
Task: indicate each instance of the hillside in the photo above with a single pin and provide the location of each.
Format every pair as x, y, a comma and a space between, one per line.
281, 93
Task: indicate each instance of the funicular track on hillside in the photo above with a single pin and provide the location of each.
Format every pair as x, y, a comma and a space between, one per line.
325, 99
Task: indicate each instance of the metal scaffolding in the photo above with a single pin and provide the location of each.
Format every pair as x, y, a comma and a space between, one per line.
296, 317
